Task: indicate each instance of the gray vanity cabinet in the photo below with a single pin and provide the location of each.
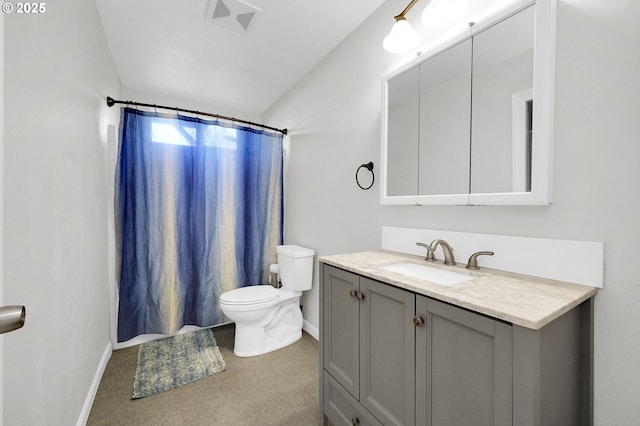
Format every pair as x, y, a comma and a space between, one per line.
368, 350
463, 367
389, 356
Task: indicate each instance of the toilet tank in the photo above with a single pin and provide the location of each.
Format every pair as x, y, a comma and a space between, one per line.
295, 266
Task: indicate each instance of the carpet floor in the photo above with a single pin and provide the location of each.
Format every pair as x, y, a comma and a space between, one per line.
278, 388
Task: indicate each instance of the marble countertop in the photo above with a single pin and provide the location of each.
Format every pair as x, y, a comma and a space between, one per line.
523, 300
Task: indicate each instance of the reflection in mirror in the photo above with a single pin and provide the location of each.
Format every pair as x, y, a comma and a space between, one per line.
402, 133
502, 106
445, 100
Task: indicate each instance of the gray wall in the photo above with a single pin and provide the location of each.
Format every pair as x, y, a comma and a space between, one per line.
58, 72
334, 113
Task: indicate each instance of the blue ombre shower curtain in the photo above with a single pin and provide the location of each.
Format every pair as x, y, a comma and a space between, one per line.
199, 211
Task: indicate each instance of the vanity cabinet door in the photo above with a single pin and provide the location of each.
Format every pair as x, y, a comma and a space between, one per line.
368, 349
463, 367
387, 349
341, 328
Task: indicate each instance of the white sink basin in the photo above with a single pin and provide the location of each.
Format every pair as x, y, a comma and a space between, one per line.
427, 273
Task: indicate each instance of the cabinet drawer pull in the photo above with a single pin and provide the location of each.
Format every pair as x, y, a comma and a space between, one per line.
355, 421
352, 293
418, 321
360, 296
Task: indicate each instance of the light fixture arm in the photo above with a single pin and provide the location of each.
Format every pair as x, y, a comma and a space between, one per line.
405, 11
438, 14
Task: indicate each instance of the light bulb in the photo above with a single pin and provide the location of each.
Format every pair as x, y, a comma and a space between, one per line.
402, 37
443, 13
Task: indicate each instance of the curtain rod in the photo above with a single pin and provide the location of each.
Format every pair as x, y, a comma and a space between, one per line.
111, 102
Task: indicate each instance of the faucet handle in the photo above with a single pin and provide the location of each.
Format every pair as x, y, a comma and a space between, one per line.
473, 259
430, 252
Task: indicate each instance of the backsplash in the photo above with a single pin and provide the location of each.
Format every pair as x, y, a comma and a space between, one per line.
580, 262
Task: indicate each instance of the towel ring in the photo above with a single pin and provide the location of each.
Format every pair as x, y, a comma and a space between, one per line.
368, 166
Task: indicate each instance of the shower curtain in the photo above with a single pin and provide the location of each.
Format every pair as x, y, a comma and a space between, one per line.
199, 211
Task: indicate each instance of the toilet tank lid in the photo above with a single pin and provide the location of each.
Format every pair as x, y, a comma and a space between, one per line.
294, 251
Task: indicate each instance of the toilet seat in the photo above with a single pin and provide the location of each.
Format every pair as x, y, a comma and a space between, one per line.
251, 295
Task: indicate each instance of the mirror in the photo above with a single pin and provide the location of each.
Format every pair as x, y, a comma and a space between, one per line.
459, 126
403, 112
502, 78
445, 114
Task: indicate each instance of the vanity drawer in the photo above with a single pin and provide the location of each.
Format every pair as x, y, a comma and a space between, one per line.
341, 408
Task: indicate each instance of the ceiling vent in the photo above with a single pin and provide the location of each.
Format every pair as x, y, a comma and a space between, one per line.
236, 15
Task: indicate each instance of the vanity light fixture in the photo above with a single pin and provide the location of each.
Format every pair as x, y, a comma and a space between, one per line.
402, 37
437, 14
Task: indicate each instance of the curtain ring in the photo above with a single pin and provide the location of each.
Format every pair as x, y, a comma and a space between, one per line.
368, 166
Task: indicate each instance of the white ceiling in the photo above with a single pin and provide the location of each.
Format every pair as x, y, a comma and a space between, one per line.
168, 47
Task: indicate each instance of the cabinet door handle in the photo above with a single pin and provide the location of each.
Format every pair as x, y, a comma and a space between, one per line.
352, 294
355, 421
418, 321
360, 296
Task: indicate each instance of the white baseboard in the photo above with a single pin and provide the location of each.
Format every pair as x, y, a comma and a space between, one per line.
93, 390
311, 329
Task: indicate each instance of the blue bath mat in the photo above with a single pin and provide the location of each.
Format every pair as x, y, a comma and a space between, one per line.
174, 361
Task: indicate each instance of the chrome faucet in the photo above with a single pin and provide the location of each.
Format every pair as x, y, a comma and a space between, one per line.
449, 259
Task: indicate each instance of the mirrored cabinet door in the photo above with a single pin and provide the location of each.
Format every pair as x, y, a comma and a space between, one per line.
402, 133
502, 105
445, 110
459, 125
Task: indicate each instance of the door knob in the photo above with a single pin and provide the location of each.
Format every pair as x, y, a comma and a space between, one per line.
418, 321
11, 318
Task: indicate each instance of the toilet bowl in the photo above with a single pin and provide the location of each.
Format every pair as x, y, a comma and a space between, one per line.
268, 318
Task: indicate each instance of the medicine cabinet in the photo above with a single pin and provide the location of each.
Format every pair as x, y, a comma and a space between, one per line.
472, 121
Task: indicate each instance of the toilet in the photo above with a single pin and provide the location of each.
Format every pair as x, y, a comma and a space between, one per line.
268, 318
